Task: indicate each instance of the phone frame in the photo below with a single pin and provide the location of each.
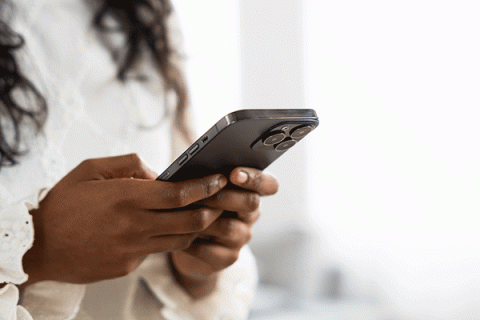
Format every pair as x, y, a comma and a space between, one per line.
269, 119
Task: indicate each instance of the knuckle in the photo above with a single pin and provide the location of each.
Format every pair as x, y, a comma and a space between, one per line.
177, 196
252, 201
185, 241
231, 258
255, 216
239, 234
212, 186
250, 217
125, 226
181, 197
122, 204
134, 159
88, 164
200, 219
208, 188
229, 228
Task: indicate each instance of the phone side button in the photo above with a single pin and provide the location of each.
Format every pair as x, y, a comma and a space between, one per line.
165, 175
194, 148
183, 159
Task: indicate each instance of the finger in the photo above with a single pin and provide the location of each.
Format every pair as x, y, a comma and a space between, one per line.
233, 200
231, 233
125, 166
217, 256
180, 222
167, 195
254, 180
249, 217
166, 243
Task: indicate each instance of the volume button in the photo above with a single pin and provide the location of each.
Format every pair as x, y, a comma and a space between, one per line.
194, 148
183, 159
164, 176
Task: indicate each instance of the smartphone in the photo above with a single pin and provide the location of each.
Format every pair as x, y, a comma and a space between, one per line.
245, 138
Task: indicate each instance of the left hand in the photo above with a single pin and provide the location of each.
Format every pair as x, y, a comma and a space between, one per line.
218, 246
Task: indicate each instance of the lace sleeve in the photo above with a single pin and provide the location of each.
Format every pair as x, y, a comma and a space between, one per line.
44, 300
16, 237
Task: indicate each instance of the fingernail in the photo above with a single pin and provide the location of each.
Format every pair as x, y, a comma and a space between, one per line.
242, 177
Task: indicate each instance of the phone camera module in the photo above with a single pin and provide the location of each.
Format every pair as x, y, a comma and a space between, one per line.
274, 138
301, 131
285, 145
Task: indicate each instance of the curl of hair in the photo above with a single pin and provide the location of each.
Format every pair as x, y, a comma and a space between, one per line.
13, 113
144, 22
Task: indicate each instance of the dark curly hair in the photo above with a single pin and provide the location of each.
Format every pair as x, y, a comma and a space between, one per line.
144, 22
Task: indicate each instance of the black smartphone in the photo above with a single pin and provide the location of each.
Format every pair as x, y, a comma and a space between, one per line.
244, 138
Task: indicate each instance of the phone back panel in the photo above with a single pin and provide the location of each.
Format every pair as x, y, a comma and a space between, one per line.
229, 143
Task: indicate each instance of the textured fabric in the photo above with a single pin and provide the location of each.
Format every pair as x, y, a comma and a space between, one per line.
231, 300
91, 114
16, 237
49, 300
9, 310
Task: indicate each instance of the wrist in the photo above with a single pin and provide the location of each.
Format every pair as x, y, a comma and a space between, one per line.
32, 263
197, 285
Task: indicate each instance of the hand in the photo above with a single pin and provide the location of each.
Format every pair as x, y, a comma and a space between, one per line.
218, 246
103, 218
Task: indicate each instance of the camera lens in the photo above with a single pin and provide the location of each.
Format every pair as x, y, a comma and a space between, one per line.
301, 131
284, 145
274, 138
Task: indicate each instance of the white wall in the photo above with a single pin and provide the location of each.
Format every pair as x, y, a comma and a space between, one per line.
249, 54
273, 77
396, 189
393, 180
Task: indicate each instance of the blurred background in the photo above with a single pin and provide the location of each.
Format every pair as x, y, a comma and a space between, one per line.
378, 213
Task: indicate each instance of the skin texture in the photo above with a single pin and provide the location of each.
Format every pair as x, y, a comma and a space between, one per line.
218, 246
104, 217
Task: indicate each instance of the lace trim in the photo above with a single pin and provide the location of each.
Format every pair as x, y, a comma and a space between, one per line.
14, 233
16, 237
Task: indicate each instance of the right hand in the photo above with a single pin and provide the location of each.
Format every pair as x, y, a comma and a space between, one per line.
104, 217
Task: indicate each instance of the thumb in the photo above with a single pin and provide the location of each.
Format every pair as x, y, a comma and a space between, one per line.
125, 166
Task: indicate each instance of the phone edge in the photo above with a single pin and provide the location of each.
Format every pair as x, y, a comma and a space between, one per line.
230, 119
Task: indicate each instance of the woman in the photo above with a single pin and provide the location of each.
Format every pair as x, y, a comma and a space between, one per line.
95, 80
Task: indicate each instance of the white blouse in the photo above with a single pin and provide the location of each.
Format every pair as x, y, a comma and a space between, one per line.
91, 114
